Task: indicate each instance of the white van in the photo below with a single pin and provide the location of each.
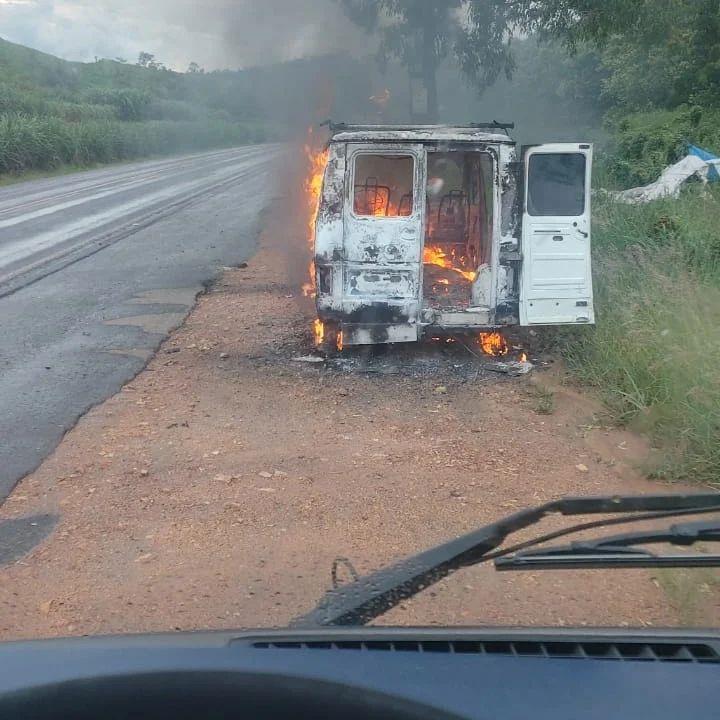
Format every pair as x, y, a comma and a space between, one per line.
439, 229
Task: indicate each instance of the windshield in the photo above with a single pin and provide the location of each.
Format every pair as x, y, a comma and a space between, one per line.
292, 291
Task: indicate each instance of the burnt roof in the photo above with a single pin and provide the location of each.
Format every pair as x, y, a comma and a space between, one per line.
490, 132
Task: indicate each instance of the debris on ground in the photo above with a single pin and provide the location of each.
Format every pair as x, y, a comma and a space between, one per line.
698, 164
448, 357
514, 367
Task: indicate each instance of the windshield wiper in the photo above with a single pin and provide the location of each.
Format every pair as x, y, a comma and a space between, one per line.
366, 598
621, 551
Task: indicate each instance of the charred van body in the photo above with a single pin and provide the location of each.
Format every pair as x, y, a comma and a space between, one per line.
446, 229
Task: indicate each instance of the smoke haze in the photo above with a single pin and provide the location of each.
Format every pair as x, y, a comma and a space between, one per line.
266, 34
217, 34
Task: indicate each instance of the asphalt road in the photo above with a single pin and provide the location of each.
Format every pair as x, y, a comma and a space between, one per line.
96, 268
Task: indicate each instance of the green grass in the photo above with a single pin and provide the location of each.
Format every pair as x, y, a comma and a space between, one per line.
57, 114
39, 143
645, 143
653, 355
543, 399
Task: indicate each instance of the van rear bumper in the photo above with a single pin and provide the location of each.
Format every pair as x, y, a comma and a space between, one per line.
395, 321
377, 334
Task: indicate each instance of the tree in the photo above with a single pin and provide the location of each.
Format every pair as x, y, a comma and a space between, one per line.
422, 33
576, 21
660, 53
195, 69
145, 59
148, 60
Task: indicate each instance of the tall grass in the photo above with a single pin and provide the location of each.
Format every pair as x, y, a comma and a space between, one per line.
30, 142
646, 142
655, 352
55, 113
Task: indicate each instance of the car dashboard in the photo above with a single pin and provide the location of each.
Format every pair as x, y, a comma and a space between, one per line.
505, 674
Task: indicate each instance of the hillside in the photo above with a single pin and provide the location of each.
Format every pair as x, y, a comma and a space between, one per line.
54, 112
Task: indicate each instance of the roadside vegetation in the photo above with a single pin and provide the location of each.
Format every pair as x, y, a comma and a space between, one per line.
29, 142
644, 143
55, 113
653, 353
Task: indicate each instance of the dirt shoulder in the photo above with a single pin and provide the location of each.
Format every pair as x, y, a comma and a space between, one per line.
217, 487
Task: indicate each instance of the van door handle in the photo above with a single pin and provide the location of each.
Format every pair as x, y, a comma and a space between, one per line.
583, 233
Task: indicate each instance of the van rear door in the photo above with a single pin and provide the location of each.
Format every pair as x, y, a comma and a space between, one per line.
383, 230
556, 280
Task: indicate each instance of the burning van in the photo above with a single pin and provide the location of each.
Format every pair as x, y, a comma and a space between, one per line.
439, 229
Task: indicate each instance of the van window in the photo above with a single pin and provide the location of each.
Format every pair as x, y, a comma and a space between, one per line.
383, 185
556, 184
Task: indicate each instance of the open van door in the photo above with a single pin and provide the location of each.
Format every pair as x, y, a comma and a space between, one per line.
556, 280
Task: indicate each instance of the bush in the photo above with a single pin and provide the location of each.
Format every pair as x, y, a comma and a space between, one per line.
28, 142
645, 143
129, 104
653, 354
174, 110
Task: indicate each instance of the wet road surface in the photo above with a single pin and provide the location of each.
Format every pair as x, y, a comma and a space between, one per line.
96, 268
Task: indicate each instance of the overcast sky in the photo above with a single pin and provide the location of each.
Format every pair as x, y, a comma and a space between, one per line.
214, 33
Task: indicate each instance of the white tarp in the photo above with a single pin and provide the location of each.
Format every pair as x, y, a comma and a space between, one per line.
670, 182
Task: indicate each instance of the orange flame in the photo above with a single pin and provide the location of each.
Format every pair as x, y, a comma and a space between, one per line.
316, 160
321, 335
433, 255
319, 331
493, 344
523, 357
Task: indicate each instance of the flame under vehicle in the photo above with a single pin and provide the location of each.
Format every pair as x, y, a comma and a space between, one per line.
424, 229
